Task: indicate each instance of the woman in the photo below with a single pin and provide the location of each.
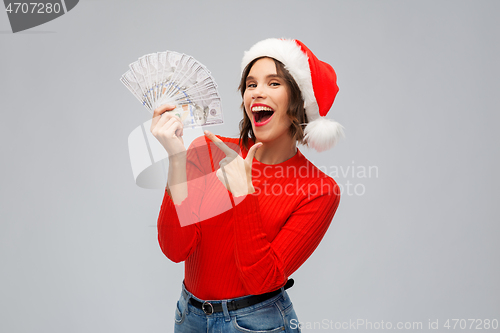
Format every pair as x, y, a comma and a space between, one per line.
244, 228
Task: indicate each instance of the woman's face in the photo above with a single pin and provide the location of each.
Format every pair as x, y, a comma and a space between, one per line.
266, 102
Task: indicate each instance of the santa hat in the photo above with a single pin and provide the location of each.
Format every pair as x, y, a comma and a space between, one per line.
317, 82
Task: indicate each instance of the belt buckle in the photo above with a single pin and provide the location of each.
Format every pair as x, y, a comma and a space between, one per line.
208, 308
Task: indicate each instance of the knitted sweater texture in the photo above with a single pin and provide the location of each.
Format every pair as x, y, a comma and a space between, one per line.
250, 245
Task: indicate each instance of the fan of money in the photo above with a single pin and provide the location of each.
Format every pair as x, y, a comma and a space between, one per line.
174, 78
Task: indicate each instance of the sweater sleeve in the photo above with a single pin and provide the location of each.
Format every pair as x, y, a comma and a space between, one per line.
178, 231
265, 266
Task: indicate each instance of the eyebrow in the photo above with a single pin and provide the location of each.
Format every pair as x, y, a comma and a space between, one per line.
270, 76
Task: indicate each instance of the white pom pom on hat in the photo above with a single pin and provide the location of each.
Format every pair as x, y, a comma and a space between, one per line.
317, 82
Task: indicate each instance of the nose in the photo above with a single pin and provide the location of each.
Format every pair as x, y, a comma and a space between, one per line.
258, 92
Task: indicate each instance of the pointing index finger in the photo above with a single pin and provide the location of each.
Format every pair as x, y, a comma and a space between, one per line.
219, 143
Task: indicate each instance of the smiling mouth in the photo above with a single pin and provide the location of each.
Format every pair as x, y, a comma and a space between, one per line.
262, 114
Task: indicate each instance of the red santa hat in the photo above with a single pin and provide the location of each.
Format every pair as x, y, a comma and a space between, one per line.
317, 82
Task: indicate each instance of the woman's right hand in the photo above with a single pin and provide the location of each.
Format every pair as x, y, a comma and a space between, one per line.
168, 130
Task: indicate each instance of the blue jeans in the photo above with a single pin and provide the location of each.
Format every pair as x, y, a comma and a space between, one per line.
275, 314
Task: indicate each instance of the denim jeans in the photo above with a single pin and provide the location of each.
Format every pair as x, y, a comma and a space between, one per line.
275, 314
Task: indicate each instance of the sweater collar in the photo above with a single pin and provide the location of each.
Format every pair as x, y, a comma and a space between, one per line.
294, 160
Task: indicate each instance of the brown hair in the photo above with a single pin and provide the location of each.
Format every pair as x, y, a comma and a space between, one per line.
296, 112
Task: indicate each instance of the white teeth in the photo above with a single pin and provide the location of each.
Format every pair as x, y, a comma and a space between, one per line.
261, 108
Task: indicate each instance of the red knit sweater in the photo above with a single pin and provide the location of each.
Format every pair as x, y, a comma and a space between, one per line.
247, 245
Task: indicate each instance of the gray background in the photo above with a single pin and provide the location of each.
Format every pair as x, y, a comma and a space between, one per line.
418, 98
